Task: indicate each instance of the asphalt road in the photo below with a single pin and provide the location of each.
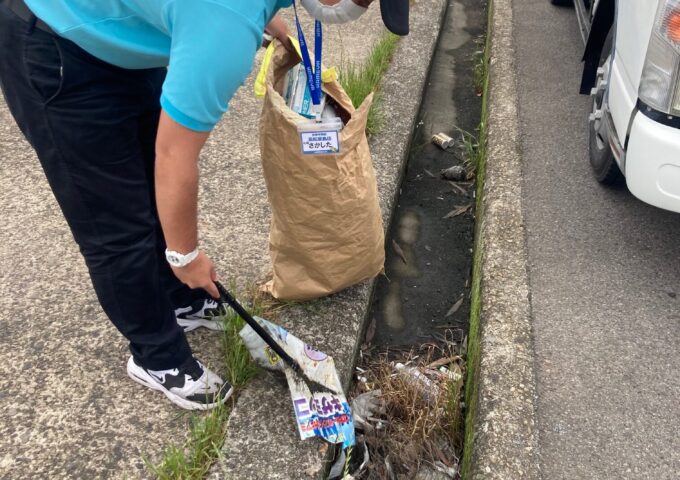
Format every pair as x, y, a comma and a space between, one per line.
605, 279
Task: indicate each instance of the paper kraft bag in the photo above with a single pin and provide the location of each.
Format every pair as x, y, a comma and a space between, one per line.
326, 229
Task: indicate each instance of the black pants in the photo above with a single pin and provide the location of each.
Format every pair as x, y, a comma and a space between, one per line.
93, 126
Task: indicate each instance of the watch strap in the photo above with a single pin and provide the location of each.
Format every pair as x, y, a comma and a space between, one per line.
179, 260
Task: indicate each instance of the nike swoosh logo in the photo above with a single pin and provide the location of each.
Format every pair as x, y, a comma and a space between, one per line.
160, 379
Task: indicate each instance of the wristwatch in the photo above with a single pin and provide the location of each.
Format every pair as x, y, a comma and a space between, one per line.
179, 260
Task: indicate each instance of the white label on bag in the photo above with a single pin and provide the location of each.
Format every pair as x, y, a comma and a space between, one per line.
319, 143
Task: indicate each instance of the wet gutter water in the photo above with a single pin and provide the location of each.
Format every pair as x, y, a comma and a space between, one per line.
429, 257
421, 307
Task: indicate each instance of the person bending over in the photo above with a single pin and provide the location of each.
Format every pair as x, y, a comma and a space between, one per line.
117, 98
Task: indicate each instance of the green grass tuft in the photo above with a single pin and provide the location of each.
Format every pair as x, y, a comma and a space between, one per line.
206, 433
479, 70
453, 411
238, 364
470, 148
203, 446
359, 81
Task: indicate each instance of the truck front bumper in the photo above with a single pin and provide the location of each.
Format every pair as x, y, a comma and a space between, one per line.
653, 163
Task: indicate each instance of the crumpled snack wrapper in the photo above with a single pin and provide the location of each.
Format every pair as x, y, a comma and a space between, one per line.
320, 414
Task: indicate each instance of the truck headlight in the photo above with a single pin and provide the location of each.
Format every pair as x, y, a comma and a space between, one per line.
660, 82
675, 109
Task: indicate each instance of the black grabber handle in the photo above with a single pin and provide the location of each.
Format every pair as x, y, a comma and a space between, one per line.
226, 297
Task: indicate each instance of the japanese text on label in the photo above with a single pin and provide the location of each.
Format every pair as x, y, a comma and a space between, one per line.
316, 143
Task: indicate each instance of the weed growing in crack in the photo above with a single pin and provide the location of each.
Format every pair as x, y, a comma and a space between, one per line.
469, 147
203, 445
479, 66
359, 81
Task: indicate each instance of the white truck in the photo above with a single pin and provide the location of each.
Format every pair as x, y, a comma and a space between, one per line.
632, 72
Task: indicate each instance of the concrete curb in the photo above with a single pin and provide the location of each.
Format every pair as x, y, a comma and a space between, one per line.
262, 441
505, 435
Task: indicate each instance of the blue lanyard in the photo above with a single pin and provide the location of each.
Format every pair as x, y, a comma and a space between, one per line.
313, 76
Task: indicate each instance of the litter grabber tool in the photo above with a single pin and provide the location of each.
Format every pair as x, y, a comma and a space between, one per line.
320, 406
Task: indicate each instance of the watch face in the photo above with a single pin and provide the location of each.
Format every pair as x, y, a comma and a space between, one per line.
174, 259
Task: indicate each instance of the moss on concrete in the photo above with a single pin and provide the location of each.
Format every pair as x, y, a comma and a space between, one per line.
473, 346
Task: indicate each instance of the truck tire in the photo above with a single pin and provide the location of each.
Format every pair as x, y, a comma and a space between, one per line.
604, 165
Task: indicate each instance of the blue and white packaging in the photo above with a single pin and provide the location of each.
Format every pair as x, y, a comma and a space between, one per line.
297, 94
321, 414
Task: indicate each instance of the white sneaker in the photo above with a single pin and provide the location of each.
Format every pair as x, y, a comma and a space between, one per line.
201, 313
191, 385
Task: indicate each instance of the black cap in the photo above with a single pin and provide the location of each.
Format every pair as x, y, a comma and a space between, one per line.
395, 15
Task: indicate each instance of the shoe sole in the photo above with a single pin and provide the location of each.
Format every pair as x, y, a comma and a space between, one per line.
140, 376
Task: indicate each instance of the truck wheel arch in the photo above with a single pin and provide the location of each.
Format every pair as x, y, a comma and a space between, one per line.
599, 29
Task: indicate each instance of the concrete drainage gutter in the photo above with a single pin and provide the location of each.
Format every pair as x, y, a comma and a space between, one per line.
262, 440
505, 435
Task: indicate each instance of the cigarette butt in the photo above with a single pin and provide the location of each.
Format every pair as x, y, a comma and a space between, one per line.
442, 140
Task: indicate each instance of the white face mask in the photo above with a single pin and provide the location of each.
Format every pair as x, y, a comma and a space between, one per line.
342, 12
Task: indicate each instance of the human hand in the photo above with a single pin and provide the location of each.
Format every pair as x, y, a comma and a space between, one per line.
200, 273
278, 29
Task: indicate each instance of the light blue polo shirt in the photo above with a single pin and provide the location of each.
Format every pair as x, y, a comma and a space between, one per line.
208, 45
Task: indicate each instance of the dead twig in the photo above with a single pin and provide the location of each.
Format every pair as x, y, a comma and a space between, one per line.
458, 187
399, 251
460, 209
455, 307
443, 361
